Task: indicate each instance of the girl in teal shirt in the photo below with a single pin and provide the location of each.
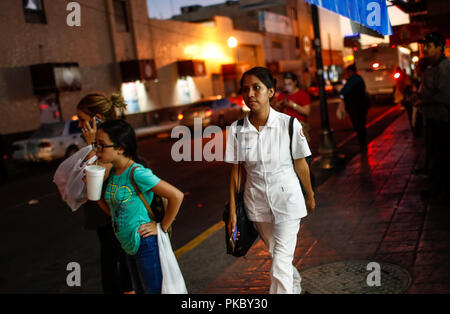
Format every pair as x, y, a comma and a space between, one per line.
116, 144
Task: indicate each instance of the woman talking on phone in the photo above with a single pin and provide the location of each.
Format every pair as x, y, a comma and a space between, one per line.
92, 110
272, 195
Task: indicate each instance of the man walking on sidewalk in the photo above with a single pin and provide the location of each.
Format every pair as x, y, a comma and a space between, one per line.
435, 104
3, 170
356, 103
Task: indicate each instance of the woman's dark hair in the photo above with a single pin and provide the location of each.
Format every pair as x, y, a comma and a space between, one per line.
291, 76
263, 74
122, 134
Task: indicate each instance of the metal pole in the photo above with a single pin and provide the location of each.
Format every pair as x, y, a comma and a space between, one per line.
328, 157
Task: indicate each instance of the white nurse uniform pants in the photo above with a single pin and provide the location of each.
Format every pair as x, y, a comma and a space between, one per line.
281, 239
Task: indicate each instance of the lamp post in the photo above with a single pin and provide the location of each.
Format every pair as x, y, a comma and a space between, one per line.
328, 157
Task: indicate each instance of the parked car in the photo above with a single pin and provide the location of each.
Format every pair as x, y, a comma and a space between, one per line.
213, 111
51, 141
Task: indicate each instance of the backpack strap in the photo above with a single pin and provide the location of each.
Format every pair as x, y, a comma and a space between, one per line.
291, 132
141, 196
238, 187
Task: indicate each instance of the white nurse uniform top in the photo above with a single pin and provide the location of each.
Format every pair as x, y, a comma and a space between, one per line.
272, 189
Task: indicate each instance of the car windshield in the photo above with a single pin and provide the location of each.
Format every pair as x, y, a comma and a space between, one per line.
49, 130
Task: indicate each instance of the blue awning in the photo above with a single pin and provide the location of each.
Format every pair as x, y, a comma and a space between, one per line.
370, 13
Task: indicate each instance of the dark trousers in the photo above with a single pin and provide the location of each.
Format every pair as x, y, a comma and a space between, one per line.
116, 278
438, 149
358, 118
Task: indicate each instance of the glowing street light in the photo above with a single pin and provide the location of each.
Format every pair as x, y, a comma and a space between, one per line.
232, 42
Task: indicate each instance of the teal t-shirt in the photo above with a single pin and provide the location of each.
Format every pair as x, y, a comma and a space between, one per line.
128, 211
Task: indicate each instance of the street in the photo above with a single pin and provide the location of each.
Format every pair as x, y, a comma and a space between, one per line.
42, 237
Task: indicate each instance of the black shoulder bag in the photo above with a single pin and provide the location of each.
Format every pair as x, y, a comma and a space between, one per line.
248, 233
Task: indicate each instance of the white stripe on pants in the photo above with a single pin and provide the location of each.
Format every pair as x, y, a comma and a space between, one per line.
281, 240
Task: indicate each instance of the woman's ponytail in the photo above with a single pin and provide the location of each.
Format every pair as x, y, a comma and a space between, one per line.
117, 101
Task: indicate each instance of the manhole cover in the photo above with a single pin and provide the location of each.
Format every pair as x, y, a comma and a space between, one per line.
348, 277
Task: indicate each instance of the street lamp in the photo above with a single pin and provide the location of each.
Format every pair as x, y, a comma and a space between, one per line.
232, 42
328, 156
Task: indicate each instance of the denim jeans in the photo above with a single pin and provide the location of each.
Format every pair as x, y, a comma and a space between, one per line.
145, 267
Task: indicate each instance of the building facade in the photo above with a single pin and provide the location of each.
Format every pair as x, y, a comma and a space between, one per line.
49, 65
288, 33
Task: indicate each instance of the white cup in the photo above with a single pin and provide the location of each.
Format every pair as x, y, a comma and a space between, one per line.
94, 181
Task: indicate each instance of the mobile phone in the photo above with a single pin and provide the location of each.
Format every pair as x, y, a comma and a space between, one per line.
232, 239
98, 121
233, 236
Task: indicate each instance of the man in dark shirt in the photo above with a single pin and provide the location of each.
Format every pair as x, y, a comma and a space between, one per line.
356, 103
435, 104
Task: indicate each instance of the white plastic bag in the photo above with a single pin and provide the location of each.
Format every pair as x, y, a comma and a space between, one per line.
69, 178
173, 281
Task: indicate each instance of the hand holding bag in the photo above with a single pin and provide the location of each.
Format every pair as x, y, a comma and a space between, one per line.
69, 178
248, 233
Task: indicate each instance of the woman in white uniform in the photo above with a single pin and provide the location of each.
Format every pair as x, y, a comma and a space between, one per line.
273, 195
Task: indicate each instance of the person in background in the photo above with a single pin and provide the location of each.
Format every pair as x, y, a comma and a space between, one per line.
434, 102
356, 103
294, 102
403, 92
3, 170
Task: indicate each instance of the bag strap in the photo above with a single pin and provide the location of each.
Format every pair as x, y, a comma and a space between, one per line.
238, 186
141, 196
291, 132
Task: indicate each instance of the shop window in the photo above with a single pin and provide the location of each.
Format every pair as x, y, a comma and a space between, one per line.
34, 11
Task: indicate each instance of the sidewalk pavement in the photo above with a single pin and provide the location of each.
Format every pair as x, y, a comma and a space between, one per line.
371, 210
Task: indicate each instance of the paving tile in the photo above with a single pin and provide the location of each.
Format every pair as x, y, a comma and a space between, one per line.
403, 259
430, 288
402, 236
430, 274
434, 245
396, 247
436, 258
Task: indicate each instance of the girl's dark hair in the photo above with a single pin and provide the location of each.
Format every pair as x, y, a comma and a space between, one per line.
263, 74
122, 134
